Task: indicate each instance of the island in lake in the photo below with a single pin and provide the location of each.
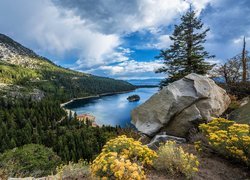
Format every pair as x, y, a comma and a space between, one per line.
133, 98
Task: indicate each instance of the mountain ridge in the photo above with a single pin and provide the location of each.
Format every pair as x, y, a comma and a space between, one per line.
20, 66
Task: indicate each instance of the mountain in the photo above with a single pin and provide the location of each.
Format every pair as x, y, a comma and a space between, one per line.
24, 73
14, 53
145, 82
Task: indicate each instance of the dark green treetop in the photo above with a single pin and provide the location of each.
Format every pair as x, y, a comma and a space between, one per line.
187, 54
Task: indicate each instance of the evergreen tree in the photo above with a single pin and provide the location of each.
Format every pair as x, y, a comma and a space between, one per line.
24, 121
187, 54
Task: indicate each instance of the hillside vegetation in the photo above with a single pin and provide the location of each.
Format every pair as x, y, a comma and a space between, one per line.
22, 67
29, 160
31, 89
25, 121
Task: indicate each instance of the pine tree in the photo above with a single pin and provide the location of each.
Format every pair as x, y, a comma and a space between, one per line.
187, 54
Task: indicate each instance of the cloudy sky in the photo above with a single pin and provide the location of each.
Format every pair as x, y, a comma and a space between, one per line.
119, 38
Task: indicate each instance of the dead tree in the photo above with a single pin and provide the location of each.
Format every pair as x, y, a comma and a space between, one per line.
230, 70
244, 62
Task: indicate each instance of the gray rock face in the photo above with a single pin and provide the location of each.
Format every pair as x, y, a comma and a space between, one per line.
179, 105
162, 138
242, 114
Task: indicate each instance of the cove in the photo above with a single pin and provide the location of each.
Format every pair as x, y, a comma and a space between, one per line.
113, 110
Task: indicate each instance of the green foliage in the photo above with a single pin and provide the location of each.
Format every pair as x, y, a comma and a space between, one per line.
25, 121
174, 160
187, 54
16, 74
239, 89
67, 87
58, 82
29, 160
78, 170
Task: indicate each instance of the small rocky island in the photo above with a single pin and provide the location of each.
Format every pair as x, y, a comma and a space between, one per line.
133, 98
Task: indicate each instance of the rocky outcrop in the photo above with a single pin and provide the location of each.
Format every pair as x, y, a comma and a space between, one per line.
163, 138
181, 104
242, 114
16, 91
14, 53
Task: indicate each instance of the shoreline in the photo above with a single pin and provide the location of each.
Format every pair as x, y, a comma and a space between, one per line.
62, 105
67, 110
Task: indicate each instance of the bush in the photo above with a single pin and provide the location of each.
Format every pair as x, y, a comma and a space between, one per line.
129, 132
235, 104
122, 158
229, 139
78, 170
173, 159
30, 160
239, 89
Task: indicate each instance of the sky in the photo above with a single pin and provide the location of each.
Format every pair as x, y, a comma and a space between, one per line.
120, 38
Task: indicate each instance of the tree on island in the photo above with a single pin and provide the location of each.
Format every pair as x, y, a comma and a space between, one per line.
187, 54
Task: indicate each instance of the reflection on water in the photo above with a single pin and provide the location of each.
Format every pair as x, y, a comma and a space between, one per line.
112, 110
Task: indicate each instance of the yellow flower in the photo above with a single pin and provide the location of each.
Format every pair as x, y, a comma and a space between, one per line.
122, 158
230, 139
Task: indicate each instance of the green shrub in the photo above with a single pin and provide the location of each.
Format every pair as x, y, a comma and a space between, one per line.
78, 170
239, 89
29, 160
174, 160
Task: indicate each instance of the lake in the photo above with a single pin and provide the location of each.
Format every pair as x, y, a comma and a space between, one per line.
111, 110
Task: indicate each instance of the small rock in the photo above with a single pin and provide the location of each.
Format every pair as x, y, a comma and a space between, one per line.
162, 138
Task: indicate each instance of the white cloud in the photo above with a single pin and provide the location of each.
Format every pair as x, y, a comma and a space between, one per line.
239, 40
91, 30
200, 4
58, 31
113, 16
162, 42
130, 68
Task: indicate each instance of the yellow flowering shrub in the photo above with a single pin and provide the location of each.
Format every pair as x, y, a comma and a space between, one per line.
228, 138
173, 159
198, 146
122, 158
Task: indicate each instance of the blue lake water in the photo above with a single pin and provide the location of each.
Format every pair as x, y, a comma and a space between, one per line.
113, 109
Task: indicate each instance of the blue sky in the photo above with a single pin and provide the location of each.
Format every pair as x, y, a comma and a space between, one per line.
119, 38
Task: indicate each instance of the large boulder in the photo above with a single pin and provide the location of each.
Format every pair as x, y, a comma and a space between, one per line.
180, 105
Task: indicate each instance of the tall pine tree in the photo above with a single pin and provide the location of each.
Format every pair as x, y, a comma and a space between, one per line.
187, 54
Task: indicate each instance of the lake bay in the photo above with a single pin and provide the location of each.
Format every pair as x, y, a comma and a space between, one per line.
113, 110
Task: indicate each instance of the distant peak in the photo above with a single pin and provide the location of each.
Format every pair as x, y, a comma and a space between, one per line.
14, 46
15, 53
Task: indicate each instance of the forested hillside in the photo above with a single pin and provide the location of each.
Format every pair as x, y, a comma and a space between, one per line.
20, 66
32, 88
25, 121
